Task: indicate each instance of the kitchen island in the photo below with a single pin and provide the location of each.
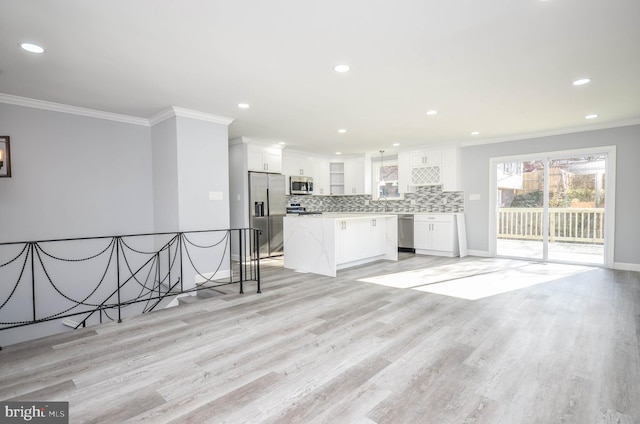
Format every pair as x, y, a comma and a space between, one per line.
324, 244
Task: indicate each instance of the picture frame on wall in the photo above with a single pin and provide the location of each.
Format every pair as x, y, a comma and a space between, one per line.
5, 157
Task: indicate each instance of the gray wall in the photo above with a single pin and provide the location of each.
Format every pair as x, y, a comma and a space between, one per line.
238, 185
73, 176
475, 178
165, 176
203, 167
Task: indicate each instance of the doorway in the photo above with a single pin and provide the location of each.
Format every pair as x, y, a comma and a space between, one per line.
555, 207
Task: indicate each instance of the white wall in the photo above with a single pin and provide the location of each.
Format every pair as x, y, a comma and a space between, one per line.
475, 176
73, 176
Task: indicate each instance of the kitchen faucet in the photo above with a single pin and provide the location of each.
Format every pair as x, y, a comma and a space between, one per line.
382, 196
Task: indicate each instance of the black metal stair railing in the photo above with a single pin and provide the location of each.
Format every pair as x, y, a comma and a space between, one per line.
51, 280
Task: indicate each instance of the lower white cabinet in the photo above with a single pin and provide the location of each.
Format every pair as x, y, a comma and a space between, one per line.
359, 239
435, 234
324, 244
346, 241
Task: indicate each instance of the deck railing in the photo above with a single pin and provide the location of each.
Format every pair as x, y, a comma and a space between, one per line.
576, 225
101, 278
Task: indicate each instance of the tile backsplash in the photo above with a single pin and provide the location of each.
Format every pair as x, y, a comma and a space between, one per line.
424, 199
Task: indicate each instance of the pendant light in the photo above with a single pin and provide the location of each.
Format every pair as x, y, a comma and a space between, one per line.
382, 183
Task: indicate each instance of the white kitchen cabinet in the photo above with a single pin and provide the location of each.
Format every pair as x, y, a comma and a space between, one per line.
347, 241
451, 169
301, 164
347, 176
359, 239
404, 172
426, 157
435, 234
297, 164
324, 244
336, 178
354, 176
321, 178
425, 167
264, 158
429, 167
374, 232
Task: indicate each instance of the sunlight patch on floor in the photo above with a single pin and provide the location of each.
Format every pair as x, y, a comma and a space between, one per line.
478, 279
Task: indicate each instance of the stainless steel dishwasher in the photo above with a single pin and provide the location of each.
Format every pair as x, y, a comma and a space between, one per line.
405, 233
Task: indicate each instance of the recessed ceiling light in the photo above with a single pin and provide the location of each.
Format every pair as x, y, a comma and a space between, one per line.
32, 48
592, 116
342, 131
475, 133
582, 81
432, 112
341, 68
243, 105
282, 143
338, 153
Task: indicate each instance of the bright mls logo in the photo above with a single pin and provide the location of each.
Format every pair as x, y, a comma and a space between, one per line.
35, 412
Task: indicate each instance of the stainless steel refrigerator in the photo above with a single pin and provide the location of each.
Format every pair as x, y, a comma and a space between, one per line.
267, 208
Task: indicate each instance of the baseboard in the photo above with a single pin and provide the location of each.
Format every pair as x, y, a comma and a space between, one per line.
626, 267
481, 253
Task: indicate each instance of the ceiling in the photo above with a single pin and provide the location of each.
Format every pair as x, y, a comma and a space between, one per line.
503, 68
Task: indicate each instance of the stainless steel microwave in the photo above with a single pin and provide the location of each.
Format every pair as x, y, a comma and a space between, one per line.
301, 185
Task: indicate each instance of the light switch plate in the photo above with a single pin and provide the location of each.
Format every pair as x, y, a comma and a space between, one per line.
215, 195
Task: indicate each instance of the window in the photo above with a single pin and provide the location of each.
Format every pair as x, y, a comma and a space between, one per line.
385, 179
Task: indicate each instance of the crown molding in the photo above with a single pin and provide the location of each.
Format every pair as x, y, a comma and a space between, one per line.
161, 116
572, 130
93, 113
73, 110
170, 112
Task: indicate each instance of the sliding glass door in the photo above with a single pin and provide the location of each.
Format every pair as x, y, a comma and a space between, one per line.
520, 218
576, 209
552, 207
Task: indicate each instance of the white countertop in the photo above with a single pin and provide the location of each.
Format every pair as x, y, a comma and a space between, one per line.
347, 215
331, 215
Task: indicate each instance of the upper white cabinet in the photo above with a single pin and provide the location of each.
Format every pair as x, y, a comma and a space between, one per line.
354, 176
264, 158
428, 167
404, 172
347, 176
336, 178
300, 164
426, 157
297, 164
451, 180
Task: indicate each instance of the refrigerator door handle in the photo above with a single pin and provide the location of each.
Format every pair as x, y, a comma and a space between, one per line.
268, 204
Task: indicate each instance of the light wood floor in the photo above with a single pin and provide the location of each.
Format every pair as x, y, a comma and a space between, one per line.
313, 349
